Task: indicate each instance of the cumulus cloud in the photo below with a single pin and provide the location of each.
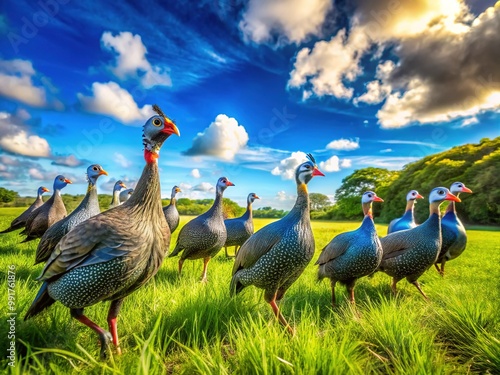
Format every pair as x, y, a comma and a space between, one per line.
196, 173
343, 144
288, 21
330, 165
16, 138
282, 196
469, 121
445, 68
111, 99
223, 139
131, 59
204, 186
286, 168
68, 161
121, 160
185, 186
346, 163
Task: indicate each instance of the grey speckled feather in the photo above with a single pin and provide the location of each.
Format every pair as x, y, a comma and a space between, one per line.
240, 228
171, 213
20, 221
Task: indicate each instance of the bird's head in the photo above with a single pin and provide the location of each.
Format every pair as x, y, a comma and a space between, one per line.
252, 197
61, 182
222, 184
441, 194
412, 195
370, 196
155, 131
94, 171
307, 170
458, 187
42, 189
176, 189
119, 185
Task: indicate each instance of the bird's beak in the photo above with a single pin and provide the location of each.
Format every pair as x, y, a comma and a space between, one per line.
229, 183
256, 196
317, 172
178, 190
45, 190
451, 197
103, 172
67, 181
378, 199
466, 190
170, 128
123, 186
419, 196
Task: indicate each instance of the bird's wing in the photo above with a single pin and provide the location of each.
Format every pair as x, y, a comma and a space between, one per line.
97, 240
397, 243
259, 244
337, 246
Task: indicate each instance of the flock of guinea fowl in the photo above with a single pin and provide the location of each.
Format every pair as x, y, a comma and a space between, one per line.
92, 256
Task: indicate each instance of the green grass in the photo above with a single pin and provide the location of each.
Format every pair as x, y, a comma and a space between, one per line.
183, 326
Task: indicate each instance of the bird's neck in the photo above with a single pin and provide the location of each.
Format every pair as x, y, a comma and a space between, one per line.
434, 209
216, 208
116, 197
248, 212
39, 197
409, 205
91, 196
367, 209
146, 199
451, 206
172, 200
302, 203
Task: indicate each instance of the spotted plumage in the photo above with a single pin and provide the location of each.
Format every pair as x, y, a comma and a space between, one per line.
47, 214
112, 254
240, 228
407, 221
170, 211
453, 231
409, 253
205, 235
275, 256
115, 200
20, 221
88, 207
354, 254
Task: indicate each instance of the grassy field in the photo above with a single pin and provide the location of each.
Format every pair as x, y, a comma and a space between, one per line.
182, 326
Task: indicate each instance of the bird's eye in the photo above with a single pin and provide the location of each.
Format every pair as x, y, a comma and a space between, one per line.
369, 195
156, 122
440, 192
95, 168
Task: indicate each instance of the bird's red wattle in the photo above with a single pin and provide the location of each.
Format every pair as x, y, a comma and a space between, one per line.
150, 157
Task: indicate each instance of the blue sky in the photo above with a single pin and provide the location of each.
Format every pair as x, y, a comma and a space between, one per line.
252, 85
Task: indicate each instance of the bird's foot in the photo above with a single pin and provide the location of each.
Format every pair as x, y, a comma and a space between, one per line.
204, 280
290, 330
105, 339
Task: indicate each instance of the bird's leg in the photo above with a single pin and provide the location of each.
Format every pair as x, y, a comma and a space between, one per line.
114, 309
437, 267
104, 336
441, 271
417, 285
280, 317
332, 283
236, 249
205, 266
181, 261
225, 249
393, 286
350, 290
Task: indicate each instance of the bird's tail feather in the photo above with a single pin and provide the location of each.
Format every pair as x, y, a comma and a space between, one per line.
176, 251
9, 229
41, 302
236, 286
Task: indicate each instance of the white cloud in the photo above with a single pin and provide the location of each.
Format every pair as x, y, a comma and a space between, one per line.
16, 138
110, 99
131, 59
469, 121
196, 173
343, 144
415, 143
386, 150
16, 77
331, 165
223, 139
346, 163
286, 168
292, 21
445, 66
282, 196
185, 187
68, 161
121, 160
204, 186
389, 162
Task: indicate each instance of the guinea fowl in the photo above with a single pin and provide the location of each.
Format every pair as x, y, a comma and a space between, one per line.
409, 253
88, 207
125, 195
20, 221
170, 211
407, 221
205, 235
48, 213
354, 254
241, 228
275, 256
105, 258
115, 201
453, 231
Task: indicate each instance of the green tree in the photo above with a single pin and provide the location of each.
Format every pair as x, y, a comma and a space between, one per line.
319, 201
7, 195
